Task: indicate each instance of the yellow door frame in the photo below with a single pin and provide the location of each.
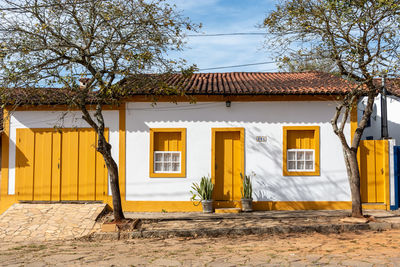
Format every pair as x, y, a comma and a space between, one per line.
213, 150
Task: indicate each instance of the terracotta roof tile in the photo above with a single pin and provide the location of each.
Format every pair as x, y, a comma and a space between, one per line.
392, 85
253, 83
232, 83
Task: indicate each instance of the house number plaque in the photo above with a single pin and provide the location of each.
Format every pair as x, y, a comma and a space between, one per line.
261, 139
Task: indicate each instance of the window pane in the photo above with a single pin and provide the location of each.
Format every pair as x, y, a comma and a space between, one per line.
309, 165
300, 165
309, 155
300, 155
176, 157
292, 165
158, 167
291, 155
158, 156
167, 167
167, 156
176, 167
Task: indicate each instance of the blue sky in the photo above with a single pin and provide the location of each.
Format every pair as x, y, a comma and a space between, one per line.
226, 16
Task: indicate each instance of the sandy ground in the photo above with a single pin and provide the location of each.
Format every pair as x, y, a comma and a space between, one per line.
347, 249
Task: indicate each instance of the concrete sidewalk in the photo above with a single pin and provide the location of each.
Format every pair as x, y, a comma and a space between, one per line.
164, 225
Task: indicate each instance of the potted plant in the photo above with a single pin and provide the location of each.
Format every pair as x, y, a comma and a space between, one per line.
247, 192
203, 193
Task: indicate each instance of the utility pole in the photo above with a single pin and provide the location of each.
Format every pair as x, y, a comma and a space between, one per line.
384, 122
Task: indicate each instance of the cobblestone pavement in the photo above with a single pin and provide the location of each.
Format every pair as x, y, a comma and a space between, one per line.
366, 248
45, 222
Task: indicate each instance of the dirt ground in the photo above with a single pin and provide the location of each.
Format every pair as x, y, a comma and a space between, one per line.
347, 249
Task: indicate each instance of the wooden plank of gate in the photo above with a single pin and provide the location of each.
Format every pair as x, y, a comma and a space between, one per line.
367, 171
56, 167
361, 156
25, 148
69, 163
371, 171
87, 163
380, 170
101, 174
386, 173
42, 173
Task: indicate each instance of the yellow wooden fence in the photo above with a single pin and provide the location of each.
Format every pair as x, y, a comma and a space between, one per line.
373, 159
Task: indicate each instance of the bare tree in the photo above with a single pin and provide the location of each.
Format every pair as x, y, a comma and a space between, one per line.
56, 42
297, 61
361, 37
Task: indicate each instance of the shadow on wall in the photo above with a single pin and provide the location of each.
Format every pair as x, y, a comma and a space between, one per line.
239, 113
272, 188
269, 183
20, 158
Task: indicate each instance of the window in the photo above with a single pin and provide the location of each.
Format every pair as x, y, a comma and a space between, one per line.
167, 161
167, 152
300, 160
300, 150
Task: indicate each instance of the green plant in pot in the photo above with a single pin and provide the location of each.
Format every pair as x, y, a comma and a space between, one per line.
203, 193
247, 192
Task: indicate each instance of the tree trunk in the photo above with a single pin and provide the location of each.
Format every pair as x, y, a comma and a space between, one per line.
354, 179
105, 150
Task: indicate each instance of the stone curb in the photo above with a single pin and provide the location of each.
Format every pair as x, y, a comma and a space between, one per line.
204, 232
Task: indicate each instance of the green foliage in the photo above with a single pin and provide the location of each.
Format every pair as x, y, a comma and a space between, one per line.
247, 190
54, 43
299, 62
202, 191
357, 39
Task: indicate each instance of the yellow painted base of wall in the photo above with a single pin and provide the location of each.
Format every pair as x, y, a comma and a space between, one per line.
228, 210
160, 206
188, 206
301, 205
6, 202
375, 206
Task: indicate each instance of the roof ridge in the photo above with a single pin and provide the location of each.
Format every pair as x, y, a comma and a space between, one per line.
264, 72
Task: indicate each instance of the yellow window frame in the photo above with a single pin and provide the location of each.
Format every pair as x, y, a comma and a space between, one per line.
316, 171
182, 131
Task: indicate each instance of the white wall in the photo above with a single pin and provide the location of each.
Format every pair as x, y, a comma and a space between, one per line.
50, 119
265, 159
393, 112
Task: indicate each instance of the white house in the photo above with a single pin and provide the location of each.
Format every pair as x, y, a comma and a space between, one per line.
275, 125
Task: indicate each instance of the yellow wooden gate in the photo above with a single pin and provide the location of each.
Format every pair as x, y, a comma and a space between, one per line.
374, 171
59, 164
